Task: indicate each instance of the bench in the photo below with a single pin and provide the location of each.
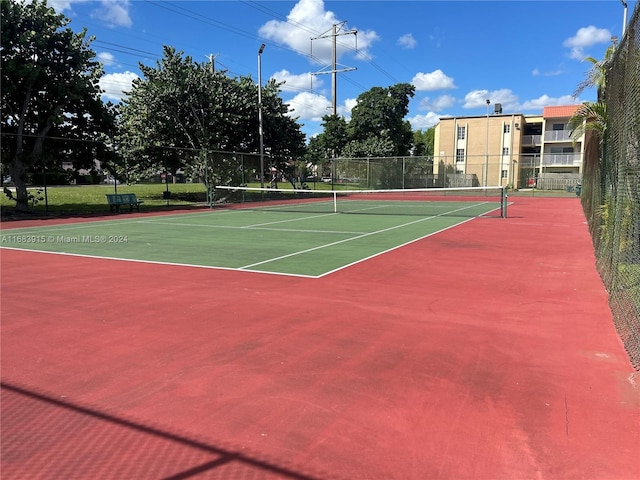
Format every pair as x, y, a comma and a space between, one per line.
115, 200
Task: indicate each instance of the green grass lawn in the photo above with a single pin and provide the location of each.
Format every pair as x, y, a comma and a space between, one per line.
91, 198
81, 199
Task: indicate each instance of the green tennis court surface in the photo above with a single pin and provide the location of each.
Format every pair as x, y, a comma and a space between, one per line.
262, 240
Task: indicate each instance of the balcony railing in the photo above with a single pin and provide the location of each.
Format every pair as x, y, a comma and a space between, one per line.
557, 136
531, 139
561, 159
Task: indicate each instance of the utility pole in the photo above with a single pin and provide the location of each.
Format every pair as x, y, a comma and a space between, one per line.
212, 58
335, 33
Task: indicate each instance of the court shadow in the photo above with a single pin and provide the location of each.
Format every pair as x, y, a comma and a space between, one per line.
49, 436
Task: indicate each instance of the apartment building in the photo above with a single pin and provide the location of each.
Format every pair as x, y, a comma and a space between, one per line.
517, 150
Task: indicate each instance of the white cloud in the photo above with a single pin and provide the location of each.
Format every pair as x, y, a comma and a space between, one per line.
116, 84
106, 58
295, 35
478, 98
554, 73
115, 13
437, 104
349, 104
309, 106
547, 101
435, 80
584, 38
407, 41
511, 103
293, 82
312, 107
422, 122
61, 5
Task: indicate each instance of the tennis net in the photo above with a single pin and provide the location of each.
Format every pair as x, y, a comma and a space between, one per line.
463, 201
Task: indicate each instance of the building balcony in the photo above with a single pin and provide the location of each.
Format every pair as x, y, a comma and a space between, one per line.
557, 136
561, 159
531, 139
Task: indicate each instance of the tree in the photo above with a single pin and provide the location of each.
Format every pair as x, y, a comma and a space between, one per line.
589, 117
181, 111
373, 146
335, 135
328, 144
169, 116
423, 142
597, 74
592, 116
379, 113
49, 90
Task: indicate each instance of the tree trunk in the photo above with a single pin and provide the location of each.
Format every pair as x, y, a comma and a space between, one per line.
18, 175
21, 163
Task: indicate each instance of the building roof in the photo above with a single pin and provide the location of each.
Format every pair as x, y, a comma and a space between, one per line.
561, 111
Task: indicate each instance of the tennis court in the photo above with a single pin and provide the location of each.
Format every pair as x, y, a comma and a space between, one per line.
486, 351
307, 236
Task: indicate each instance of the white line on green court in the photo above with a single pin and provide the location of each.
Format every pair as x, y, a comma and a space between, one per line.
252, 227
255, 225
393, 248
156, 262
246, 268
357, 237
104, 222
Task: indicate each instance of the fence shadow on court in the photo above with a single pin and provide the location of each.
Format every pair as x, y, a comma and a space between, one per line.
51, 436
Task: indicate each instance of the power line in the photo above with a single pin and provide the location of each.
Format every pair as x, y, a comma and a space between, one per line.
335, 32
190, 14
125, 48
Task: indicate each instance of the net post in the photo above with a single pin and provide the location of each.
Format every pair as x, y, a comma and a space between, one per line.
503, 203
335, 202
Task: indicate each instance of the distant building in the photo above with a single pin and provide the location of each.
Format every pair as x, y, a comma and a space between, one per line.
515, 150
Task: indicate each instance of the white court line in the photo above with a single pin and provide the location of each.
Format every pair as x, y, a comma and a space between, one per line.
157, 262
392, 249
356, 237
99, 223
289, 220
247, 268
63, 227
252, 227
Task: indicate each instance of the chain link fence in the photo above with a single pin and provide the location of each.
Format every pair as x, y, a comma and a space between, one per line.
611, 190
518, 172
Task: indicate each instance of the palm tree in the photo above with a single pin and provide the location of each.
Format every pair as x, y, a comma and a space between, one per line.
592, 116
589, 117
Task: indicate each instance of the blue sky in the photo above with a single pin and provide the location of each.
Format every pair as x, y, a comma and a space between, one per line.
522, 54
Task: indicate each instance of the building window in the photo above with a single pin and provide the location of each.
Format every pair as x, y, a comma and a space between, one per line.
505, 173
561, 150
460, 155
507, 128
505, 151
461, 132
558, 126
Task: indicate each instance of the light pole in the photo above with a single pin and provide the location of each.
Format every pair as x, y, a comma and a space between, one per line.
260, 133
486, 151
624, 17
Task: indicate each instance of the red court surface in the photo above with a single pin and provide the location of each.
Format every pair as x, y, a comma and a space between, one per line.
487, 351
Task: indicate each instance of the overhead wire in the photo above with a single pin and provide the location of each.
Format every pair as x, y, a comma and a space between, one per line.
183, 11
202, 18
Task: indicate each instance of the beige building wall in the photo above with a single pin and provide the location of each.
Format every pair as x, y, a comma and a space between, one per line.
486, 147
